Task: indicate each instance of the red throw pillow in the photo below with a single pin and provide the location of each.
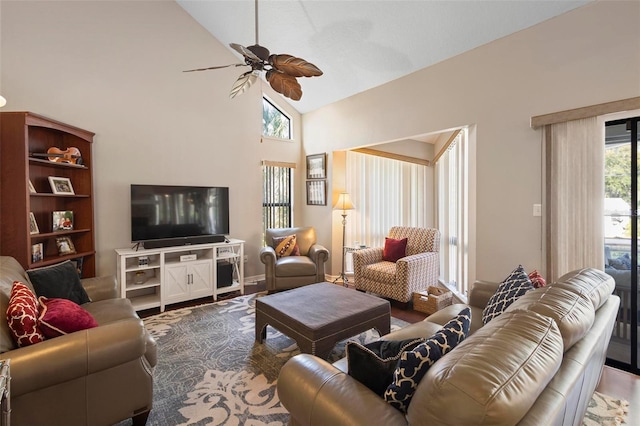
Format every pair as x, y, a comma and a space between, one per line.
394, 249
22, 315
62, 316
536, 279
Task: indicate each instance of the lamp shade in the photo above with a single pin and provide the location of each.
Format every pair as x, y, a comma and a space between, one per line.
344, 202
3, 101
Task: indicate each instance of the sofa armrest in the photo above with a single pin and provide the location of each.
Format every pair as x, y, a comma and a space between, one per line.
319, 254
314, 392
481, 292
365, 257
101, 288
268, 256
75, 355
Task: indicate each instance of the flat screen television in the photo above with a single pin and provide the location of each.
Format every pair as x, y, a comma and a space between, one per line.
169, 215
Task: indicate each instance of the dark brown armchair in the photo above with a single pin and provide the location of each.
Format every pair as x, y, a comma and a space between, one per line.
285, 272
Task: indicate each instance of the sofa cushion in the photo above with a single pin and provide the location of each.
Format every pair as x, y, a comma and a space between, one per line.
573, 313
494, 376
515, 285
596, 285
414, 364
22, 315
373, 364
59, 281
295, 266
394, 249
286, 246
62, 316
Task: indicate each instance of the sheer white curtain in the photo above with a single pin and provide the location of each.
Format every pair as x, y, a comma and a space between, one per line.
386, 193
574, 153
452, 213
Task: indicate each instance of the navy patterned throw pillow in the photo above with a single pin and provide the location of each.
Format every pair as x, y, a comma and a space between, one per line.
413, 365
514, 286
373, 364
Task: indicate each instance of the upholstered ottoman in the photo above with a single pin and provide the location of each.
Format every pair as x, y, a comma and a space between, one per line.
317, 316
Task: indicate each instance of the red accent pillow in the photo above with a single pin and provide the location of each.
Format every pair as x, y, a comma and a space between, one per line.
62, 316
22, 315
536, 279
394, 249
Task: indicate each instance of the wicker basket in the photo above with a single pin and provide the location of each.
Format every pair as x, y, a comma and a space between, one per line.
432, 299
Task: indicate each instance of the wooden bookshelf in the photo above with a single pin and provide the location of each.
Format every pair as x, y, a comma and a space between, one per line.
23, 134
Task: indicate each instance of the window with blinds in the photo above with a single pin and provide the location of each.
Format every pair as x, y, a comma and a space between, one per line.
277, 199
452, 212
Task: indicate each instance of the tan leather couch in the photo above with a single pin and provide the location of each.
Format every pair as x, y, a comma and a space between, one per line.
98, 376
538, 363
293, 271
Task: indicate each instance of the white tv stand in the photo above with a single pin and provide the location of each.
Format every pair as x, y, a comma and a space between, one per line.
153, 278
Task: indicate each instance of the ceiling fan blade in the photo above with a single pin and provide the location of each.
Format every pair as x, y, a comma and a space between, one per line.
285, 84
296, 67
245, 52
215, 68
260, 51
243, 83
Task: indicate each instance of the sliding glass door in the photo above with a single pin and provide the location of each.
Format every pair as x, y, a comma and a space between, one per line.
621, 236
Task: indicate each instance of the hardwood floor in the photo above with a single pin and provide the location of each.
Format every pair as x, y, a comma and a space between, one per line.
614, 382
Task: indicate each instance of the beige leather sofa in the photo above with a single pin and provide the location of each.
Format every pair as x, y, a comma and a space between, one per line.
293, 271
538, 363
98, 376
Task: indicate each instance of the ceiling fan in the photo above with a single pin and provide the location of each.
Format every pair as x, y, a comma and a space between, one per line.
281, 70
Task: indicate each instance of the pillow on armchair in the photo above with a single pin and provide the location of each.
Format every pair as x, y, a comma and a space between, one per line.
394, 249
286, 246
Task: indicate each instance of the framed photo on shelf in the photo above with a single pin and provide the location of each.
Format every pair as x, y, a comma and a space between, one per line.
37, 252
317, 192
62, 220
32, 188
61, 185
65, 246
317, 166
33, 225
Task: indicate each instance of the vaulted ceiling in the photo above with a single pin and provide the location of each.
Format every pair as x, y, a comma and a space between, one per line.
361, 44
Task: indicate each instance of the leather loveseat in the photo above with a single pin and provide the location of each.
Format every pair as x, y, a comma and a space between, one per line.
537, 363
97, 376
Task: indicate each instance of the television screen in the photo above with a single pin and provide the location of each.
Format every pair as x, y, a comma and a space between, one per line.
165, 211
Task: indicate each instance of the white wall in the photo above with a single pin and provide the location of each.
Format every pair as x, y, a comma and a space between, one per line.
588, 56
115, 68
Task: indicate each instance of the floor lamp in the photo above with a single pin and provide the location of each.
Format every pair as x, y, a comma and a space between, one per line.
344, 203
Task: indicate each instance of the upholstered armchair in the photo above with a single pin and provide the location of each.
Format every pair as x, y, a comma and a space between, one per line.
286, 267
398, 280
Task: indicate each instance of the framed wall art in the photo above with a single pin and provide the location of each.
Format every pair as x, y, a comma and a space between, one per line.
317, 192
317, 166
61, 185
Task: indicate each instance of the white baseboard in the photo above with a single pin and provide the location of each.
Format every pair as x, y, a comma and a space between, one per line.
253, 280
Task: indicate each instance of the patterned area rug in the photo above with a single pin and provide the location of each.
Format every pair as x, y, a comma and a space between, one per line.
211, 372
605, 411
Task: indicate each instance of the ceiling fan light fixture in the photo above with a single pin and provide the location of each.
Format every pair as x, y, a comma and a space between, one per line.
281, 70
